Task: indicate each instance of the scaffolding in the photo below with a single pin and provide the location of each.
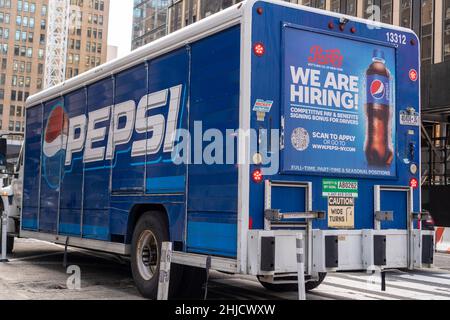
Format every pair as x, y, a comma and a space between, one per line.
57, 34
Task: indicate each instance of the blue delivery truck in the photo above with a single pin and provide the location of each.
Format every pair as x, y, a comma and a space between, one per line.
231, 137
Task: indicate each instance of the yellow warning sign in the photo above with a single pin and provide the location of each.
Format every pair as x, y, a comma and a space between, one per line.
341, 212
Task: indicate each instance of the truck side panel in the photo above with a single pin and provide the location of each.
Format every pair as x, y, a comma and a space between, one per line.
131, 84
212, 190
97, 173
51, 161
32, 168
91, 195
72, 183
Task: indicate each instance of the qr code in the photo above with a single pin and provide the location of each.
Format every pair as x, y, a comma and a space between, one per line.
300, 139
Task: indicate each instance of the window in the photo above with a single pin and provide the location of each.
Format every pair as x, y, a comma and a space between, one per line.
13, 95
352, 7
367, 13
314, 3
176, 12
446, 42
19, 111
386, 11
12, 110
11, 125
335, 5
405, 13
427, 30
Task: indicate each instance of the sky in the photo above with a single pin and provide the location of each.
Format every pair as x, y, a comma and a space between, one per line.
120, 25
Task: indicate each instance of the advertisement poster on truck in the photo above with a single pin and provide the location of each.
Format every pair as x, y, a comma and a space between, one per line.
339, 106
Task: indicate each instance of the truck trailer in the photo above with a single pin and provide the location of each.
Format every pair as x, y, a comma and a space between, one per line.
229, 139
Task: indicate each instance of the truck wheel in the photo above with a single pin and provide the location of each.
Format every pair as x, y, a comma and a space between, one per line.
9, 244
292, 287
148, 235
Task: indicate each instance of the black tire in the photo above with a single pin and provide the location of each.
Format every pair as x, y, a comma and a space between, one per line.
148, 287
292, 287
9, 244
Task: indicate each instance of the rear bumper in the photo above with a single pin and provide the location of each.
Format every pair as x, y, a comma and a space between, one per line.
272, 253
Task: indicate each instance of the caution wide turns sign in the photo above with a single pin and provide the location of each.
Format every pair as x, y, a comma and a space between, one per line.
341, 212
341, 195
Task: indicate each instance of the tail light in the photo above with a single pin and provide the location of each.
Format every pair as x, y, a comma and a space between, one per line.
414, 183
259, 49
257, 176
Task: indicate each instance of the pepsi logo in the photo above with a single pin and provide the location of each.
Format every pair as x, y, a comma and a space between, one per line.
56, 132
54, 145
377, 89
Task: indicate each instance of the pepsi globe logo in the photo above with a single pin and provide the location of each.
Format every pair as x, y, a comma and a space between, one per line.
377, 89
55, 145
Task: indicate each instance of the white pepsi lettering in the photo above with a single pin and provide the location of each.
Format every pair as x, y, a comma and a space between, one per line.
152, 124
77, 126
118, 136
172, 118
96, 135
84, 131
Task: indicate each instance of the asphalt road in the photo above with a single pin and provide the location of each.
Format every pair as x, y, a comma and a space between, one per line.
35, 271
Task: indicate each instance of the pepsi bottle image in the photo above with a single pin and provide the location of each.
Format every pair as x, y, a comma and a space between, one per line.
378, 146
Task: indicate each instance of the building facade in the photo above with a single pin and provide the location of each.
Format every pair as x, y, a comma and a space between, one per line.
23, 34
429, 18
149, 21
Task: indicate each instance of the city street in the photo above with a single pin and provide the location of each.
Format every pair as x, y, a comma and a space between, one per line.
35, 272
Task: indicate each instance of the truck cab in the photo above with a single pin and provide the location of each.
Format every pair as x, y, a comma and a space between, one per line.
11, 199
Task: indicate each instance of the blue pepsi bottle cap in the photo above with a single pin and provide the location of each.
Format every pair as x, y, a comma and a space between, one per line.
378, 55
